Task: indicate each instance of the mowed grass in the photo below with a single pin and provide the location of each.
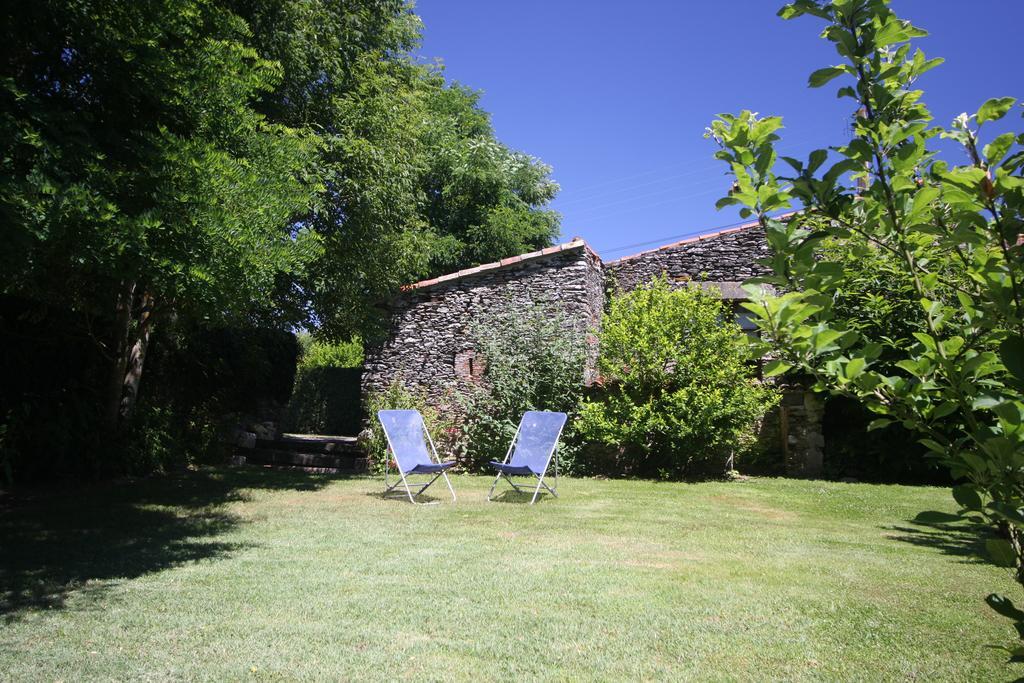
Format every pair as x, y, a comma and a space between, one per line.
261, 575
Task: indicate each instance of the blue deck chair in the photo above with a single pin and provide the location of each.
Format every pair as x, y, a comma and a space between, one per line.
405, 433
530, 452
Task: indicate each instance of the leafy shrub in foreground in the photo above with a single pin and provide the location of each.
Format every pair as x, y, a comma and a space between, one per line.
953, 234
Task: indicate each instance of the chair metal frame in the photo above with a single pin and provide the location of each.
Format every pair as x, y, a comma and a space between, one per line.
403, 479
540, 477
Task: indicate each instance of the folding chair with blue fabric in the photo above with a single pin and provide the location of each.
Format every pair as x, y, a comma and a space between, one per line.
530, 452
407, 441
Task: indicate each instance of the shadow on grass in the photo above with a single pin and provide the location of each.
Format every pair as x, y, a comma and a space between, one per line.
946, 533
519, 497
63, 540
399, 495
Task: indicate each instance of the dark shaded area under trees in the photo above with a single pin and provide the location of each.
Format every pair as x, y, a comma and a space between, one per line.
184, 182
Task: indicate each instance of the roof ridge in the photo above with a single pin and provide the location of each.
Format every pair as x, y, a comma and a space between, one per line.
688, 240
574, 243
698, 238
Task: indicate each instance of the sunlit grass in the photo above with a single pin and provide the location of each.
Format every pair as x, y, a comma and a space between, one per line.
267, 575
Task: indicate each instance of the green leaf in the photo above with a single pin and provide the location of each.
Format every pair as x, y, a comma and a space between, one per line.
823, 76
801, 7
855, 367
817, 158
944, 409
1011, 352
795, 164
776, 367
984, 402
826, 339
967, 496
879, 423
926, 340
1011, 514
995, 109
997, 149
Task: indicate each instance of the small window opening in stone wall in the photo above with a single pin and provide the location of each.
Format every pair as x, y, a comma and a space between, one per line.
469, 365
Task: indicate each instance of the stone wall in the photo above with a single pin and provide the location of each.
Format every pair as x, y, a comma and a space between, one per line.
728, 256
429, 342
803, 442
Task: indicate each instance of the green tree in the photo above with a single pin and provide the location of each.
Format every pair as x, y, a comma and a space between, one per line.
217, 162
420, 186
951, 231
679, 394
137, 181
483, 200
415, 182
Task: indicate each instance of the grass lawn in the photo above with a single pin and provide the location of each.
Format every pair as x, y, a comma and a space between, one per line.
253, 574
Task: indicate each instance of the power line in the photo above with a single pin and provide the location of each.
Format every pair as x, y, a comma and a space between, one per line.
632, 207
662, 241
574, 193
718, 181
599, 210
620, 179
672, 238
577, 199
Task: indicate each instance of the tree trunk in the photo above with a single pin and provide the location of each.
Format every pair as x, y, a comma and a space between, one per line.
132, 327
136, 357
119, 347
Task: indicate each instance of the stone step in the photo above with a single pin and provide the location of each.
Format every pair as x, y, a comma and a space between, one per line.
348, 461
311, 443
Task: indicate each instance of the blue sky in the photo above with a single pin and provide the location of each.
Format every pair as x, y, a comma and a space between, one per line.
616, 96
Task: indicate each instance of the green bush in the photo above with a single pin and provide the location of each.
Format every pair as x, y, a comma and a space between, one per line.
679, 396
533, 360
443, 430
324, 354
326, 396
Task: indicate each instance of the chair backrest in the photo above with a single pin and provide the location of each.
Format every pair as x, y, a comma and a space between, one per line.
405, 434
538, 435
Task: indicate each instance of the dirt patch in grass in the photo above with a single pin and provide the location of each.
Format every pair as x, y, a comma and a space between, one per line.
628, 551
751, 506
670, 559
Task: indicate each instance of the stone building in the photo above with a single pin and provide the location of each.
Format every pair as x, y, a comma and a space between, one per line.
428, 344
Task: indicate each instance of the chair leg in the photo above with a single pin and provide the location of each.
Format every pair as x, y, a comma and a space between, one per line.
491, 492
540, 482
448, 481
522, 488
422, 487
409, 492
